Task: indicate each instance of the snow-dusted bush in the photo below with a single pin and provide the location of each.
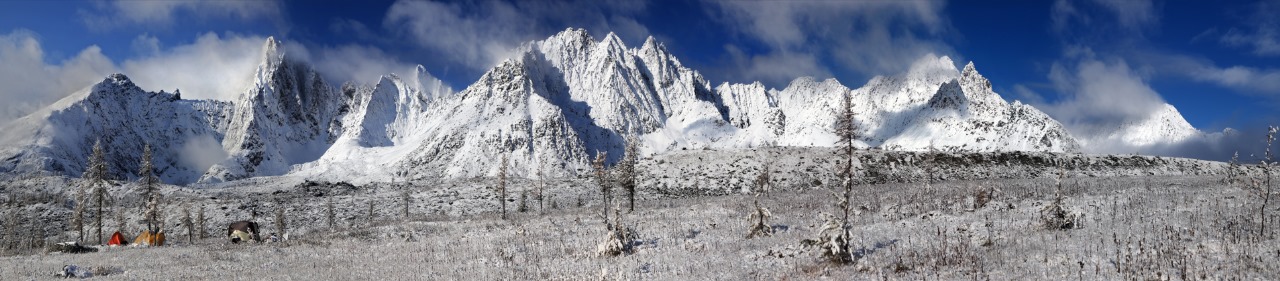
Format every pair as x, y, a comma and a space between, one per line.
619, 239
759, 218
833, 240
759, 221
1056, 216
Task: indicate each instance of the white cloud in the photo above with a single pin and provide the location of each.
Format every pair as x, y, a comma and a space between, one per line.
480, 34
867, 37
777, 68
31, 83
201, 152
1095, 93
362, 64
108, 14
1247, 79
212, 67
222, 67
145, 44
1243, 79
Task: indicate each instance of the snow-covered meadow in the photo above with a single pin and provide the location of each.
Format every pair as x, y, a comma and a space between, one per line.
1138, 218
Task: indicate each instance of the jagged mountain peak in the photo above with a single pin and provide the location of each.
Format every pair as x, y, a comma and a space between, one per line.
124, 117
271, 53
119, 79
971, 77
559, 101
651, 43
949, 96
571, 38
113, 84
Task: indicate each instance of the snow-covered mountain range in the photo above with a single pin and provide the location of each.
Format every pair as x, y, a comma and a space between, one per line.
554, 105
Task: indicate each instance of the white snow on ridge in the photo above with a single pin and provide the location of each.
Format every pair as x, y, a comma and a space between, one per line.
551, 107
1163, 126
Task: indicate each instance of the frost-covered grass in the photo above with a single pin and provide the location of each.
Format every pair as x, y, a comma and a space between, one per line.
1165, 227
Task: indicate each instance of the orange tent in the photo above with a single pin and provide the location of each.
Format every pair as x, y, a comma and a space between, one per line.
158, 239
117, 239
149, 239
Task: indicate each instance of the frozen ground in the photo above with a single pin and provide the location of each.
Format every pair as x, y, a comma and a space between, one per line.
1142, 218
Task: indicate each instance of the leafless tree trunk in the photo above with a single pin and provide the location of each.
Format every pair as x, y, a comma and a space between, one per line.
281, 224
328, 213
542, 184
371, 214
186, 221
602, 179
200, 222
627, 171
407, 199
502, 186
77, 217
1266, 191
100, 198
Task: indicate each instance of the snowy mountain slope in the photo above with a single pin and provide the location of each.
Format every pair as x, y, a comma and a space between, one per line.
60, 138
289, 116
1162, 127
931, 106
518, 108
387, 122
554, 105
966, 115
560, 101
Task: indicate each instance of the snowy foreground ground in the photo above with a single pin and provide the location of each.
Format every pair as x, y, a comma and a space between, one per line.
1169, 227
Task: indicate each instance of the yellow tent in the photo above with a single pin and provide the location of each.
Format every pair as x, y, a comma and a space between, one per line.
149, 239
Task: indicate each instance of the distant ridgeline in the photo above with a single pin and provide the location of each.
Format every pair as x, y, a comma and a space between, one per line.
552, 106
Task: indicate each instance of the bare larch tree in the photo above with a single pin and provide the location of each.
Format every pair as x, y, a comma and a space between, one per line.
602, 179
627, 171
149, 184
94, 177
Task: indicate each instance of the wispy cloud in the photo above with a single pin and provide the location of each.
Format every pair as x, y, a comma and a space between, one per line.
212, 67
220, 67
866, 37
355, 63
1104, 21
478, 35
32, 83
1260, 31
116, 13
1263, 82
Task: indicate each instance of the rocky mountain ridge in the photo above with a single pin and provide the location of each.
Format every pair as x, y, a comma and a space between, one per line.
555, 104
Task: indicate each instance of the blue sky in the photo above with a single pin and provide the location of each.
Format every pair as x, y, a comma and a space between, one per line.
1080, 61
